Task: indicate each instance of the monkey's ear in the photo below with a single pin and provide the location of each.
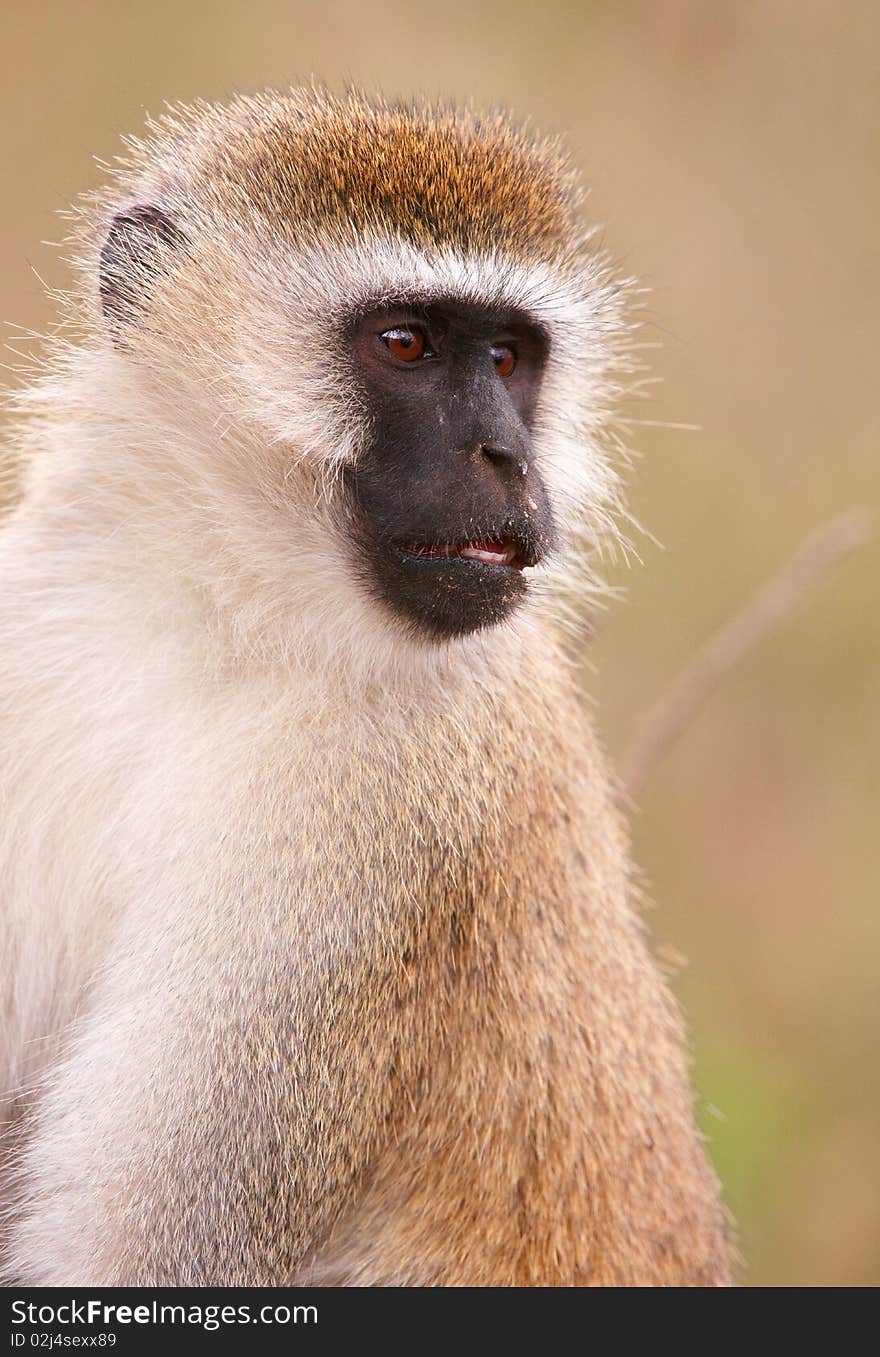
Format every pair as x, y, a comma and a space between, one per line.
135, 251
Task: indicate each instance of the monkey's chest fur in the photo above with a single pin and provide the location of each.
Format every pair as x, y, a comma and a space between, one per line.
382, 1015
471, 1070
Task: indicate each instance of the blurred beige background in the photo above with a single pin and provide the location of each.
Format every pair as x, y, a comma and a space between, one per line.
733, 153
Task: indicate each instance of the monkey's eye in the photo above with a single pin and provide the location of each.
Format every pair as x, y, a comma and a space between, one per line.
406, 343
504, 358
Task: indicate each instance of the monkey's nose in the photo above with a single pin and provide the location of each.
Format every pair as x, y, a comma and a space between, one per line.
505, 458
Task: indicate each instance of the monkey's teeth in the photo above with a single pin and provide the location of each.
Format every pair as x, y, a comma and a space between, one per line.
478, 551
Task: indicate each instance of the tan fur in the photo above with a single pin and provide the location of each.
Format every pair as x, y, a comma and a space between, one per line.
310, 162
320, 961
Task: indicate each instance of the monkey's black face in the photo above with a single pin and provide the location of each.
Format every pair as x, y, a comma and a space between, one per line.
448, 506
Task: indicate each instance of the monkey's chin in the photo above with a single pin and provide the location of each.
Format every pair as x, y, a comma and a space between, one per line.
443, 594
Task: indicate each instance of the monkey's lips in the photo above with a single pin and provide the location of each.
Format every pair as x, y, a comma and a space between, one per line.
488, 551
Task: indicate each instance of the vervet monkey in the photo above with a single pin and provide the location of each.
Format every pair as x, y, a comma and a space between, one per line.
321, 962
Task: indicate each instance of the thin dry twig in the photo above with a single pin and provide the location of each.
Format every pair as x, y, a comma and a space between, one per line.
671, 715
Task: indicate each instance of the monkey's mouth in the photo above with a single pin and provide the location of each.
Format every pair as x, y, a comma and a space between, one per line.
451, 582
503, 552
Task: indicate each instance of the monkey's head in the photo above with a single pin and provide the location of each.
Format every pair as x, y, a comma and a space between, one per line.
374, 345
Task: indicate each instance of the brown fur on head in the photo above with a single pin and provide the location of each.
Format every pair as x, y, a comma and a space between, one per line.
436, 176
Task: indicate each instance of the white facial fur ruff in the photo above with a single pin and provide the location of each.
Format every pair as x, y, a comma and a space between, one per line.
303, 402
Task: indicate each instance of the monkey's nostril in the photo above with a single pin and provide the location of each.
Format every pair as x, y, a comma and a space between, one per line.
504, 457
